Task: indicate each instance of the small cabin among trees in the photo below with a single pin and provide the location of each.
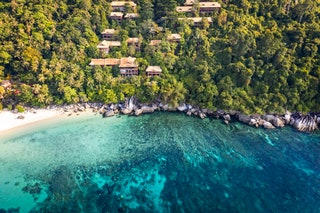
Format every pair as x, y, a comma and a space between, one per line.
108, 34
128, 67
121, 5
104, 46
153, 71
116, 16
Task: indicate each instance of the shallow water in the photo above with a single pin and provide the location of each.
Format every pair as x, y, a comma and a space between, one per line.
162, 162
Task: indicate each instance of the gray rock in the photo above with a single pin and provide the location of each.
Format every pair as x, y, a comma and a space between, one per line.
182, 108
244, 118
277, 122
268, 118
126, 111
20, 117
138, 112
146, 109
227, 117
253, 122
108, 113
165, 107
268, 125
189, 113
287, 117
202, 115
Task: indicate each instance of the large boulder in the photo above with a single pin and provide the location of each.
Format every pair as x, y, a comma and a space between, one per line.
146, 109
108, 113
268, 118
277, 122
126, 111
244, 118
182, 108
287, 117
268, 125
138, 112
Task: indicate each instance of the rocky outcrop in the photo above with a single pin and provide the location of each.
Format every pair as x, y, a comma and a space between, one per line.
305, 122
146, 109
182, 108
108, 113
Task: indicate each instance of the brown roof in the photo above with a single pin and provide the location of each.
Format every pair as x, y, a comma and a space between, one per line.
108, 31
132, 40
128, 62
116, 14
197, 19
209, 4
131, 15
184, 9
122, 3
104, 62
154, 42
153, 69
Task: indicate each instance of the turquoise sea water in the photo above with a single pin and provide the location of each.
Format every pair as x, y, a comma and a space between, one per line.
161, 162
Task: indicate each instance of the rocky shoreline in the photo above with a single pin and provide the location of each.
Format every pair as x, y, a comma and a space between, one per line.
301, 122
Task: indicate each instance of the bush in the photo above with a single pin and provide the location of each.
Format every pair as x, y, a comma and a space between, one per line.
20, 108
1, 106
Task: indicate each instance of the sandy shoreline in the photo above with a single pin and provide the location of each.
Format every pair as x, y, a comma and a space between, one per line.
9, 120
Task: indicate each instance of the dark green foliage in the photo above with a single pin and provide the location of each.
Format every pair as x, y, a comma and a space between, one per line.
256, 56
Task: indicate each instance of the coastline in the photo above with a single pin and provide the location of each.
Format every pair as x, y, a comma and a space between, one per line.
11, 120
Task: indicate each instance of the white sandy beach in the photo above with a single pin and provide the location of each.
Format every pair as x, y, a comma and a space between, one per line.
9, 120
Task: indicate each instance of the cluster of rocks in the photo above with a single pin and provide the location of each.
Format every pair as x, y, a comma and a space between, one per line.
308, 122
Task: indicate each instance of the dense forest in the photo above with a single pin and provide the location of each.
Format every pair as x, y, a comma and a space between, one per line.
256, 56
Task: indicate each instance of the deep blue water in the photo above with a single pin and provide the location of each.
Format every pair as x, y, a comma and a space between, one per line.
162, 162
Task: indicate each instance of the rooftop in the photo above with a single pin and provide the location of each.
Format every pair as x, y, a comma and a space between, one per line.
197, 19
209, 4
184, 9
131, 15
174, 37
104, 62
105, 44
190, 2
132, 40
108, 31
116, 14
128, 62
122, 3
154, 42
153, 69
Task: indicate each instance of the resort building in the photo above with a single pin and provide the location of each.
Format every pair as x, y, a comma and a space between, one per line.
154, 42
128, 67
174, 38
121, 5
108, 34
153, 71
197, 20
104, 46
204, 7
134, 42
117, 16
209, 7
104, 62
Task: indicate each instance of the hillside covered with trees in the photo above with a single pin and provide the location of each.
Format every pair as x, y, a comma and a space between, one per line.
256, 56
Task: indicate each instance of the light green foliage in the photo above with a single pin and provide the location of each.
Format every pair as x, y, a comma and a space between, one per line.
20, 108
